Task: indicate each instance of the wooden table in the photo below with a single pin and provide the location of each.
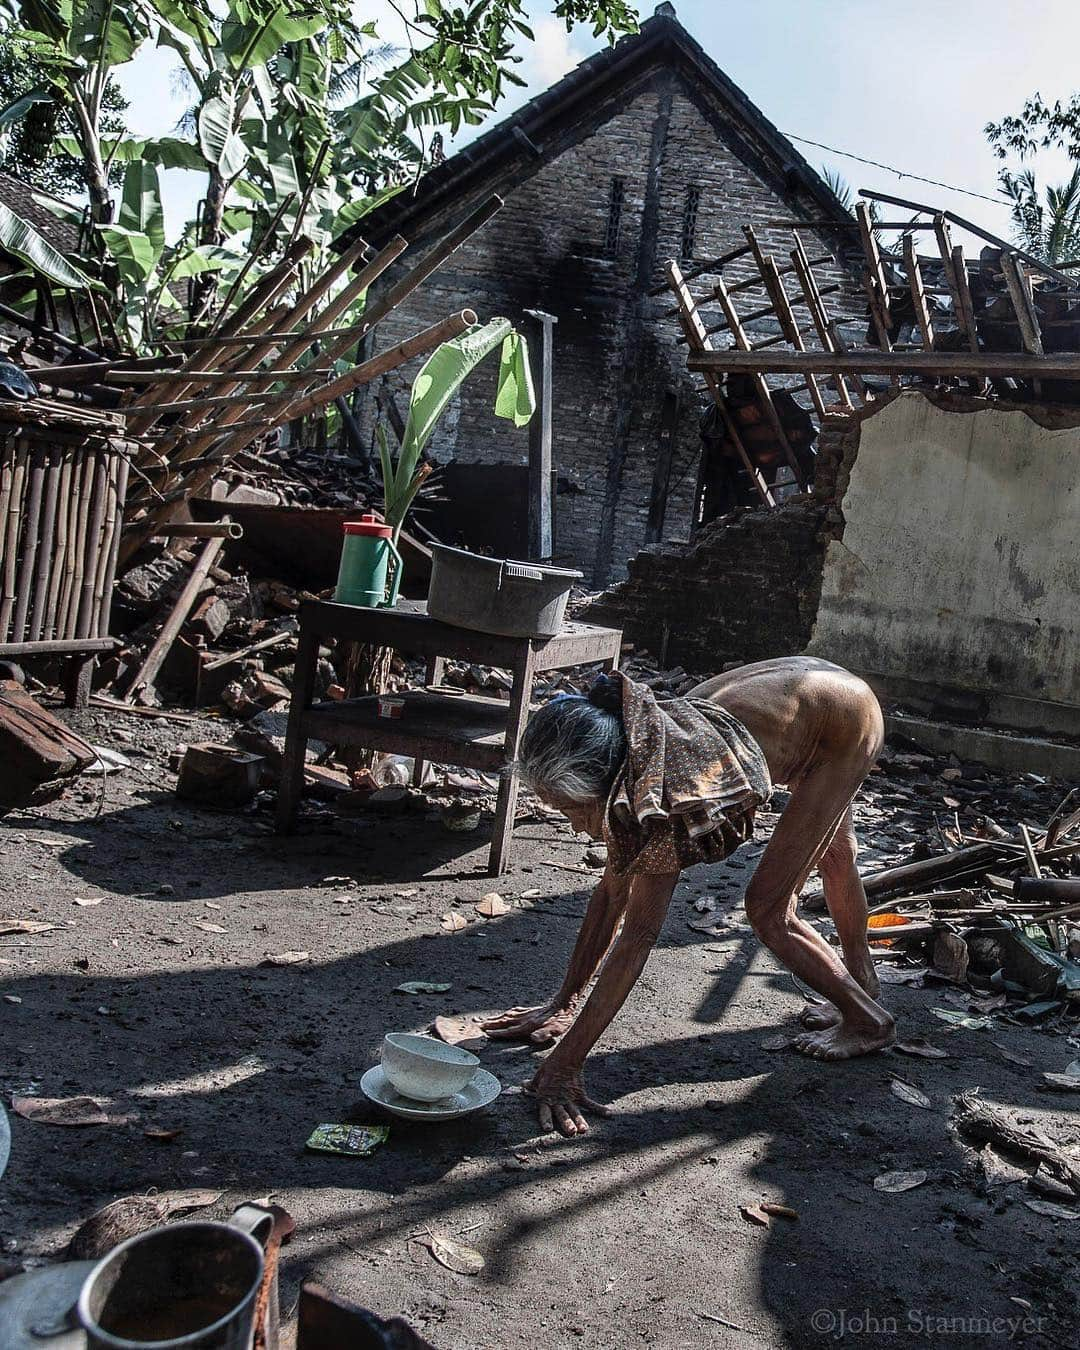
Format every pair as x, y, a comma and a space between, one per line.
460, 729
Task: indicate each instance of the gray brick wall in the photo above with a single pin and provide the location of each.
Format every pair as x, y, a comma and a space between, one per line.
544, 250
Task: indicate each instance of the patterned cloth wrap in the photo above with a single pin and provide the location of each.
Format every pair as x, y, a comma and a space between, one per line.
688, 789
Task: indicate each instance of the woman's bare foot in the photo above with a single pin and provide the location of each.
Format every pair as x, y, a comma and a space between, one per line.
818, 1016
846, 1040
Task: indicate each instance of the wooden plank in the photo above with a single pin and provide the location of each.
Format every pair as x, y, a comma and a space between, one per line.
1055, 365
957, 282
791, 331
1023, 302
827, 331
694, 331
877, 290
1030, 259
918, 294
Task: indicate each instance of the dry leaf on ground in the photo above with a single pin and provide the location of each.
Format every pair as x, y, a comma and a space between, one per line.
421, 987
462, 1030
1013, 1057
755, 1214
492, 906
66, 1111
1053, 1211
455, 1255
909, 1094
921, 1048
129, 1216
892, 1183
780, 1042
161, 1135
209, 927
778, 1211
286, 959
453, 922
8, 926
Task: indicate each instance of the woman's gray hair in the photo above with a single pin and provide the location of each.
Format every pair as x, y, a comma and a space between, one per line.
573, 746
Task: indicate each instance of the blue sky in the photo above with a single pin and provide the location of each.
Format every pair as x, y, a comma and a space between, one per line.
910, 85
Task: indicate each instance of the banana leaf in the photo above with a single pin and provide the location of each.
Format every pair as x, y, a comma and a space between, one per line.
18, 237
440, 378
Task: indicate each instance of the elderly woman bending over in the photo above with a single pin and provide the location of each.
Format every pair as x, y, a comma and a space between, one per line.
668, 784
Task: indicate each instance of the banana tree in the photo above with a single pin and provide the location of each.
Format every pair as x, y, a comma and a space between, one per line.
77, 44
441, 376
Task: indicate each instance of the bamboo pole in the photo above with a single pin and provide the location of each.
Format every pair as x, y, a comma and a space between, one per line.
155, 657
60, 548
103, 577
12, 516
30, 527
111, 552
262, 294
431, 261
299, 311
211, 529
83, 487
98, 494
48, 531
448, 328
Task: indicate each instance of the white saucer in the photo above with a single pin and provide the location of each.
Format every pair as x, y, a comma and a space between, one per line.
481, 1090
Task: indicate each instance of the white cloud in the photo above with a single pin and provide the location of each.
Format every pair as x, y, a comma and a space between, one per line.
553, 55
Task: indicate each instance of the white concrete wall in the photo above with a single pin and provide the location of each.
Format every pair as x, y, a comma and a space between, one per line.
960, 559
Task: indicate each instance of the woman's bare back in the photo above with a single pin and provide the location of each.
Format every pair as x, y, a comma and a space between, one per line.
802, 711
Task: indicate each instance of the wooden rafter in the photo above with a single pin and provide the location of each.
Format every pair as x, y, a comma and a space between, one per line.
698, 340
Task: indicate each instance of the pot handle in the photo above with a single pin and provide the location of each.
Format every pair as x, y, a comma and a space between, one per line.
395, 580
520, 572
255, 1220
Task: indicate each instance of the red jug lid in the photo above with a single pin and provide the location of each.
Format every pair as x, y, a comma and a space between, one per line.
369, 524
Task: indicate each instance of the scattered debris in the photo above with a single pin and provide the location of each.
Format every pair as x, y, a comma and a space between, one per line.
1052, 1210
893, 1183
286, 959
219, 775
492, 906
920, 1048
39, 755
754, 1214
353, 1141
462, 1030
909, 1094
455, 1255
421, 987
66, 1111
990, 1124
131, 1215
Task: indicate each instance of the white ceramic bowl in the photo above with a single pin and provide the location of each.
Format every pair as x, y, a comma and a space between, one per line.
424, 1068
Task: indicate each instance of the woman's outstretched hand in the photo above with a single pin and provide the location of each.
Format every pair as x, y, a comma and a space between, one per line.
541, 1025
562, 1096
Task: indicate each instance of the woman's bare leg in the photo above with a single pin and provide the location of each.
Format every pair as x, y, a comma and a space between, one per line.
845, 900
818, 805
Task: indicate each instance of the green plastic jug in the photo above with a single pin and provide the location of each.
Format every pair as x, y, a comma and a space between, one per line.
365, 558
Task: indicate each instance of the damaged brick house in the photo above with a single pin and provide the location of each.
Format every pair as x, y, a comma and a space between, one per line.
644, 153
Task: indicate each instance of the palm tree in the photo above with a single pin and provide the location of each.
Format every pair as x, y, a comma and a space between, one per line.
841, 190
1047, 226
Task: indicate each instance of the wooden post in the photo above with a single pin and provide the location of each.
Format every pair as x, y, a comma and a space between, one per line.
506, 805
541, 533
877, 288
155, 657
918, 294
